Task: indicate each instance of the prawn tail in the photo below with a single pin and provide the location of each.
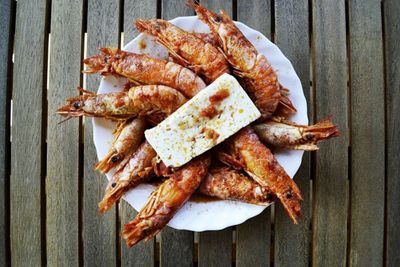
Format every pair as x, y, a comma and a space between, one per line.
324, 129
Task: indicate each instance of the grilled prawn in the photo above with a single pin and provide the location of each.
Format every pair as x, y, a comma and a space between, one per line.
143, 69
166, 200
229, 184
138, 101
253, 69
258, 161
279, 132
186, 48
127, 139
138, 169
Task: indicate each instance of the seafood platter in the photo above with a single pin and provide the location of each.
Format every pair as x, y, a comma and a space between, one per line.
200, 123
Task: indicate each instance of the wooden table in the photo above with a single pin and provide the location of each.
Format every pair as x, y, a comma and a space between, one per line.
347, 55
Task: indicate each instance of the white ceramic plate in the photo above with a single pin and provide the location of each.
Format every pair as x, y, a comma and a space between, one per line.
215, 215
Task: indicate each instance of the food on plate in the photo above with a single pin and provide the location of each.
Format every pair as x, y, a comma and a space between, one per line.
143, 69
259, 162
166, 200
229, 184
252, 68
213, 115
128, 137
219, 118
138, 169
138, 101
186, 48
279, 132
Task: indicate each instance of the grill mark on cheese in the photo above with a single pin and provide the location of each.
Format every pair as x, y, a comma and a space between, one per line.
210, 134
220, 95
211, 111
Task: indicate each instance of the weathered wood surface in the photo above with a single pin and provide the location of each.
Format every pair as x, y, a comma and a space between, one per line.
292, 242
176, 246
6, 35
99, 231
330, 86
392, 52
253, 243
53, 218
63, 140
143, 254
175, 8
27, 173
367, 133
215, 248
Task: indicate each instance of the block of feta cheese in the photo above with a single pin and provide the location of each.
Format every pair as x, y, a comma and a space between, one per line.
214, 114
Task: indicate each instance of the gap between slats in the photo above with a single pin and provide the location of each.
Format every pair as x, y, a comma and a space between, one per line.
46, 75
7, 134
385, 220
348, 50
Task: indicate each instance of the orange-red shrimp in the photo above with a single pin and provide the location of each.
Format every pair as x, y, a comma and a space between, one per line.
138, 169
206, 37
279, 132
127, 139
166, 200
258, 161
253, 69
186, 48
229, 184
285, 106
138, 101
143, 69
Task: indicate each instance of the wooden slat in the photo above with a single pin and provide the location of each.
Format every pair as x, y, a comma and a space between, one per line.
174, 8
330, 84
5, 83
141, 254
5, 77
292, 36
253, 241
176, 245
99, 232
367, 133
215, 248
254, 236
62, 181
392, 53
27, 133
